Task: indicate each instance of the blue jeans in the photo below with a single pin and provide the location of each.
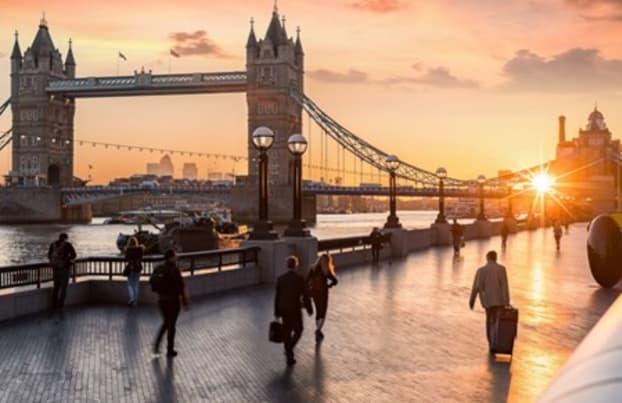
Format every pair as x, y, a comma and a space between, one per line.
133, 283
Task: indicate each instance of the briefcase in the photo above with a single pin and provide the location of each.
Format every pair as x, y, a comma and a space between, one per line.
276, 332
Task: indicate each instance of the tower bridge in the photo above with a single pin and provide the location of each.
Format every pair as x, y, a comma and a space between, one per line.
45, 89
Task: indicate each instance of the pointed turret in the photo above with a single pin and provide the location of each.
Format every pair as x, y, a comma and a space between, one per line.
298, 48
274, 32
252, 39
42, 44
17, 52
70, 63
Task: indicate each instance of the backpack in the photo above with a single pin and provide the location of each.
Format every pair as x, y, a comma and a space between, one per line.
57, 258
158, 280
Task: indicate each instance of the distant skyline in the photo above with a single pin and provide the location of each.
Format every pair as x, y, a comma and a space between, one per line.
474, 86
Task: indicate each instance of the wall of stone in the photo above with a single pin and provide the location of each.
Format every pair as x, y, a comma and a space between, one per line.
28, 205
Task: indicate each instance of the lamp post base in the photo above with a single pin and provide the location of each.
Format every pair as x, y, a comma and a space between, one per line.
440, 219
297, 228
262, 231
482, 217
392, 222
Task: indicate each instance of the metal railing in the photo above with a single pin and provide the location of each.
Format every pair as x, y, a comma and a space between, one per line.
112, 266
350, 244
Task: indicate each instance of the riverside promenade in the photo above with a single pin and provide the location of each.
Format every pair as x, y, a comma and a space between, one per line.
395, 333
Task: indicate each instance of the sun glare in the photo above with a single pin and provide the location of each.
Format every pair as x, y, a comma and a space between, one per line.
543, 183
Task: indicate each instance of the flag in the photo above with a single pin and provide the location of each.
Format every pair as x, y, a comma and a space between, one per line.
173, 53
122, 56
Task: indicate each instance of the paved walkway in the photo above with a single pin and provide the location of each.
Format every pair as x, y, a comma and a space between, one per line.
396, 333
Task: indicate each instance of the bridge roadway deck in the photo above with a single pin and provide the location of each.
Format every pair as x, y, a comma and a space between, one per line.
395, 333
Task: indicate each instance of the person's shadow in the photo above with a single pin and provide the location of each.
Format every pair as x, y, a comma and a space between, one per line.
165, 380
501, 378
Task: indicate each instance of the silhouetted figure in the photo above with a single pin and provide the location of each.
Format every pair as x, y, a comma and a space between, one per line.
557, 233
567, 226
320, 278
61, 255
505, 231
133, 255
457, 235
375, 239
291, 296
168, 283
491, 283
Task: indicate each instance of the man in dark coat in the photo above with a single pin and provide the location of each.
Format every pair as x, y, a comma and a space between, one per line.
375, 239
60, 255
170, 298
457, 236
291, 296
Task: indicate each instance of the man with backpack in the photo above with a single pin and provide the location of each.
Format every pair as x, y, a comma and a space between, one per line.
61, 255
168, 283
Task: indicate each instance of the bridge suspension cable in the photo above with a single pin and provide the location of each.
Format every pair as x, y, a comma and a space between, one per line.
5, 105
128, 147
366, 151
6, 138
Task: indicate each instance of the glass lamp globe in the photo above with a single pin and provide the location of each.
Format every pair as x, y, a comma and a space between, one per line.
297, 144
392, 162
441, 173
263, 138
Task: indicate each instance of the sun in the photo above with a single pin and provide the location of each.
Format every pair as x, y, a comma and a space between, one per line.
542, 183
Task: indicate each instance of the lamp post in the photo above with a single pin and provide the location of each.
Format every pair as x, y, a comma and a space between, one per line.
263, 138
392, 163
481, 180
441, 174
297, 145
510, 213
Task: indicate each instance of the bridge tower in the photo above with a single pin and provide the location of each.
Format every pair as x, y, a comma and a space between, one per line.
274, 67
42, 124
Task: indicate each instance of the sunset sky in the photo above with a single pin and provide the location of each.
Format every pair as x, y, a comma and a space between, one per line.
472, 85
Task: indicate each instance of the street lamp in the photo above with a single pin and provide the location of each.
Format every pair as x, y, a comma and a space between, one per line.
392, 164
263, 138
510, 212
441, 174
481, 180
297, 145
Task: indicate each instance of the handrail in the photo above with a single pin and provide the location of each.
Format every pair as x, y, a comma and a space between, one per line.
351, 243
112, 266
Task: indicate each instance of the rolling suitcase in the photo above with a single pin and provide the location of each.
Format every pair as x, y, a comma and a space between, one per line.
505, 330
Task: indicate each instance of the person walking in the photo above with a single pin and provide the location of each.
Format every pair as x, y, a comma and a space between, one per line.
557, 233
133, 255
491, 284
168, 283
375, 238
291, 296
60, 255
505, 231
457, 236
320, 278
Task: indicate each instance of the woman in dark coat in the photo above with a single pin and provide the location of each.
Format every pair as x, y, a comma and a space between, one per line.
133, 255
320, 278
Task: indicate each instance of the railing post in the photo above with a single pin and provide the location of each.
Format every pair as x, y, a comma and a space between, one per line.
220, 262
39, 277
192, 266
73, 268
110, 270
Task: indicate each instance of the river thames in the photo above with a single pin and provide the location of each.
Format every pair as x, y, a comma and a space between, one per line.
29, 243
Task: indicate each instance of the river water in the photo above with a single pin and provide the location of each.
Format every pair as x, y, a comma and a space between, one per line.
29, 243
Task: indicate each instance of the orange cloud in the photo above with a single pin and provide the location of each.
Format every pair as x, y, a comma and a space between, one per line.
196, 43
379, 6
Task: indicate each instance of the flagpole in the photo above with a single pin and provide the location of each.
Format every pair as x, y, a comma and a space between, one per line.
117, 64
170, 63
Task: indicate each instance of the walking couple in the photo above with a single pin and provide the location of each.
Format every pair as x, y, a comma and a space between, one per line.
294, 292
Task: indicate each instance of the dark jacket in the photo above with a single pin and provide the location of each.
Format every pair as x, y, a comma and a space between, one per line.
175, 282
376, 238
291, 295
67, 253
457, 231
134, 256
317, 280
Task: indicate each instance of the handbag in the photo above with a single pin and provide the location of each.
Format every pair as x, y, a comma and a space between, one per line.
126, 271
276, 332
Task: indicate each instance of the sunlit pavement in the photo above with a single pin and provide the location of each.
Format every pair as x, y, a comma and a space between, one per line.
398, 332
